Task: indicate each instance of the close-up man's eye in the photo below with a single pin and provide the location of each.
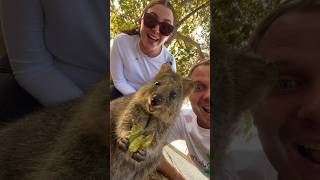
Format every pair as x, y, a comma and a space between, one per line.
286, 84
199, 87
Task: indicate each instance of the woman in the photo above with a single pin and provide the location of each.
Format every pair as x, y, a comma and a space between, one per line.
136, 55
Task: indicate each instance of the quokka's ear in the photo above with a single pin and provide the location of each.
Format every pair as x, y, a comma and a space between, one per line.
188, 87
255, 78
165, 67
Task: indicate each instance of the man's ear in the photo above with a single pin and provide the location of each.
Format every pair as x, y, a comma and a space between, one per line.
188, 87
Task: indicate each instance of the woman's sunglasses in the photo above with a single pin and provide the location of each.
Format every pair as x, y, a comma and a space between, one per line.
151, 21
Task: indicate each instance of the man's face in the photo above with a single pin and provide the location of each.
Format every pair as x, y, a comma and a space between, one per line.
288, 120
200, 98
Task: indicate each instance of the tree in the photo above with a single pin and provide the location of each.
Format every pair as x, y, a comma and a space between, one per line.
235, 20
190, 42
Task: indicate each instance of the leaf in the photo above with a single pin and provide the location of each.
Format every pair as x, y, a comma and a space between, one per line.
136, 144
135, 131
147, 141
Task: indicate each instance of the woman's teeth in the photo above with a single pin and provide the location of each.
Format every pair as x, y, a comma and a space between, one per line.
153, 37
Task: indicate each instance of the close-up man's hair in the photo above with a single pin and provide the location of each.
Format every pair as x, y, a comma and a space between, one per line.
284, 7
204, 63
166, 3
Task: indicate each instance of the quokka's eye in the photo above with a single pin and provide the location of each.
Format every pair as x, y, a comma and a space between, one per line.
172, 95
157, 83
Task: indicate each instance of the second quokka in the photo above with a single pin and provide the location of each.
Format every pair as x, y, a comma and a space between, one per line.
241, 80
155, 106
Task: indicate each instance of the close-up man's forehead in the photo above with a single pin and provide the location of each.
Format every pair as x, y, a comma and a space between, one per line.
282, 29
288, 65
294, 29
295, 18
202, 70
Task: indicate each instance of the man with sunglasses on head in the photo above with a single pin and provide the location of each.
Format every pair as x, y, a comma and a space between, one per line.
137, 54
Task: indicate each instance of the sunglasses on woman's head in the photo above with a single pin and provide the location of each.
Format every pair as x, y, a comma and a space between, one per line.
151, 21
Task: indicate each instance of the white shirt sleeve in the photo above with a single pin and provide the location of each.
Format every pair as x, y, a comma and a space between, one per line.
117, 68
176, 131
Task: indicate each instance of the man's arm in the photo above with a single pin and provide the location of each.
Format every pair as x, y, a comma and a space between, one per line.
168, 170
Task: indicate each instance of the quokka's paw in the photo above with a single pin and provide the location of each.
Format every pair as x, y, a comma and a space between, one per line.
123, 144
140, 155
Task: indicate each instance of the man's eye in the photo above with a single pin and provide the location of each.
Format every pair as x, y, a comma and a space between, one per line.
286, 85
199, 87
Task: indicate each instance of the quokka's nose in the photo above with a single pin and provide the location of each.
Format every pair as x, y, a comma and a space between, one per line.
156, 100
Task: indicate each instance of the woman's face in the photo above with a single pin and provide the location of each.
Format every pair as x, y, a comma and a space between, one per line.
288, 120
151, 38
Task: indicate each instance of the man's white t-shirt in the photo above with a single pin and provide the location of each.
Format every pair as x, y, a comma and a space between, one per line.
197, 138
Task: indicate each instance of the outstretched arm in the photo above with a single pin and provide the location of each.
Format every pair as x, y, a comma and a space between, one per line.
168, 170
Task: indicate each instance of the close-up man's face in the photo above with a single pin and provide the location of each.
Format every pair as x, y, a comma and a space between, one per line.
200, 98
288, 120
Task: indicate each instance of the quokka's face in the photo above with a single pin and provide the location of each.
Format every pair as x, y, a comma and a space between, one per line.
162, 97
165, 96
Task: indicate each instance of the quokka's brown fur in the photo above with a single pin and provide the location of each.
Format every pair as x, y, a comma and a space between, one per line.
70, 142
65, 142
240, 80
156, 119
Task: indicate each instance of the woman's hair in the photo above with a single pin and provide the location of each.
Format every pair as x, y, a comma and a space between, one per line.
165, 3
284, 7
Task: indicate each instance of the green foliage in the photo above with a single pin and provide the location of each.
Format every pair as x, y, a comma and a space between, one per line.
125, 15
235, 20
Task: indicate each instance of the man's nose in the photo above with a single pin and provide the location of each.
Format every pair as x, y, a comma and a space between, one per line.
309, 111
206, 95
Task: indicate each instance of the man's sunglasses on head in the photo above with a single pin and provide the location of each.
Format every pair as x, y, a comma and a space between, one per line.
151, 21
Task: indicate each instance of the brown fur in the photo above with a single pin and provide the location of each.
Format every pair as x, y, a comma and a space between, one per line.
240, 81
136, 107
70, 142
65, 142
